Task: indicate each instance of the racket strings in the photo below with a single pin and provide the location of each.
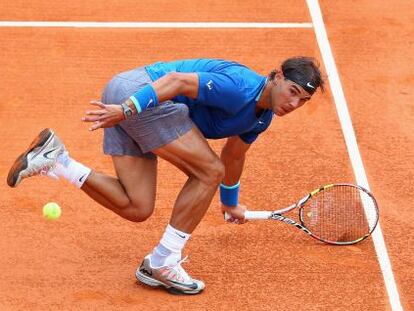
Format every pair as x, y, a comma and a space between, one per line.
340, 214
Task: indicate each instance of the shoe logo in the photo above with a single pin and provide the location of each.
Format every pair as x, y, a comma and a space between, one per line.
210, 85
180, 235
145, 271
190, 286
48, 152
310, 85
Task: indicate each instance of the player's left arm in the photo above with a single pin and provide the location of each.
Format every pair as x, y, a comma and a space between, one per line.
233, 156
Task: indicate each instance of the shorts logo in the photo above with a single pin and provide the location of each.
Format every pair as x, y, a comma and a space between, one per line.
210, 85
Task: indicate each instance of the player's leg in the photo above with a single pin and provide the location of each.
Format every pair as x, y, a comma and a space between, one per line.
191, 153
132, 194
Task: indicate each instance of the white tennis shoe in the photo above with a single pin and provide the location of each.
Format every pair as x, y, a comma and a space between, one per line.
173, 278
38, 159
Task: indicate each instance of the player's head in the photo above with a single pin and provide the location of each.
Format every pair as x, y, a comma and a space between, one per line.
294, 84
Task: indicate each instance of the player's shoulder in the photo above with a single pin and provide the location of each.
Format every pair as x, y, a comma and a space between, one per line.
225, 65
217, 65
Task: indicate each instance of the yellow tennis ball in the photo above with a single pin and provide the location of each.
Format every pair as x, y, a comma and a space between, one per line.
52, 211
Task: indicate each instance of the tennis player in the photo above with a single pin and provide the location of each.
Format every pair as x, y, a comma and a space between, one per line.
169, 109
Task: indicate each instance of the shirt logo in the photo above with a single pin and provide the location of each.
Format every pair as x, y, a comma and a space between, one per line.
261, 122
310, 85
210, 85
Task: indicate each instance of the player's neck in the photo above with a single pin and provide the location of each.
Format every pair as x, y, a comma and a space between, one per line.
264, 100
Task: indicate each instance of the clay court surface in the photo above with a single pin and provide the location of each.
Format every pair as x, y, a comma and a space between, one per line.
87, 259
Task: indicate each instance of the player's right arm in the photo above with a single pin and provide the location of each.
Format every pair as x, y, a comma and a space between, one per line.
165, 88
206, 88
176, 83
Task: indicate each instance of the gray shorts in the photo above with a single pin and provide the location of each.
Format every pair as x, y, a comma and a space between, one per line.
148, 130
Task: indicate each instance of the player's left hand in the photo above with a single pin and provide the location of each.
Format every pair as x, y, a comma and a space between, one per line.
236, 213
105, 116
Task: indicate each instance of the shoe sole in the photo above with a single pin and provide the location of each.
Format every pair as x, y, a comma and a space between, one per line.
155, 283
21, 162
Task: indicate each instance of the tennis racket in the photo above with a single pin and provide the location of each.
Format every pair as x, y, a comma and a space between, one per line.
340, 214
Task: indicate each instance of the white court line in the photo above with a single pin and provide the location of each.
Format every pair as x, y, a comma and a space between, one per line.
351, 143
152, 25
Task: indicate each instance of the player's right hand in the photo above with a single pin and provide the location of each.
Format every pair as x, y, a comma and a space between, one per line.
234, 215
104, 116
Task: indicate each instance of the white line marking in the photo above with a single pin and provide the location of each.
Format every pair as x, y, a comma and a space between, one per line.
152, 25
351, 143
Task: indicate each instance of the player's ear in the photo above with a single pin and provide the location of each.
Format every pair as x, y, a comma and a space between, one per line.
278, 77
279, 74
275, 76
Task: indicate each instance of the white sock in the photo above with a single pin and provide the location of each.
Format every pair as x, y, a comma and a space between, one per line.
168, 251
74, 172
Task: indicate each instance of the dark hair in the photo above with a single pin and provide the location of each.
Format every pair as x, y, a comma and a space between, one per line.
303, 71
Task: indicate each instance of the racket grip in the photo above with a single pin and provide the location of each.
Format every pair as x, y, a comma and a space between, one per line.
257, 215
226, 216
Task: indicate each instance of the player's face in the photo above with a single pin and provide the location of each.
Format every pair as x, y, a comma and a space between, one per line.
287, 96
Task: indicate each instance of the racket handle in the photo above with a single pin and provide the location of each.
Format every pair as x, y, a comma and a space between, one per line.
252, 215
256, 215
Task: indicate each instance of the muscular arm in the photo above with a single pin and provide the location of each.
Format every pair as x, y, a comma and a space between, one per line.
167, 87
172, 85
233, 156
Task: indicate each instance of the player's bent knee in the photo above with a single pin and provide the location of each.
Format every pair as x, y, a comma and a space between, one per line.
139, 215
215, 173
139, 212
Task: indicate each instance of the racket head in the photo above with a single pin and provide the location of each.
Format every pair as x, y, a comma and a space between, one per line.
339, 214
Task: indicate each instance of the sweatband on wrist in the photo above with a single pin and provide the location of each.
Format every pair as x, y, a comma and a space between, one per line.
144, 98
229, 195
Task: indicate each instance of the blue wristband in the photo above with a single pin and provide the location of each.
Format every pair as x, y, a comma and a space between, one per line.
229, 195
144, 98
